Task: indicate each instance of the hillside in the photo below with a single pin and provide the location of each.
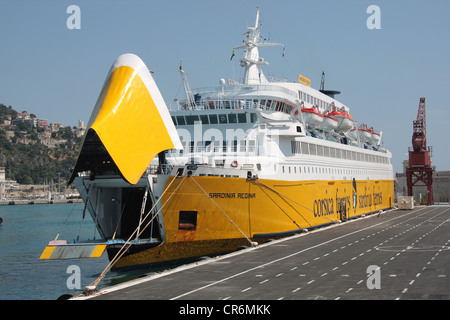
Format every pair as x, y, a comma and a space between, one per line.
34, 152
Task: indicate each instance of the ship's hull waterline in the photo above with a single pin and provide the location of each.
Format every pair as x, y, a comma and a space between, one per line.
226, 209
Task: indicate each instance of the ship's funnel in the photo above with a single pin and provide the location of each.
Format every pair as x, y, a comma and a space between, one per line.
129, 126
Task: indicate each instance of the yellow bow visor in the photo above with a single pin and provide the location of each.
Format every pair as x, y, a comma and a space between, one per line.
130, 124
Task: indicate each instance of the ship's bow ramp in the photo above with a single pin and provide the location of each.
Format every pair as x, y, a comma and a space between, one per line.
129, 125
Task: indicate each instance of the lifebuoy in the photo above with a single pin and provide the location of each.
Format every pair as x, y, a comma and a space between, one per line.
234, 164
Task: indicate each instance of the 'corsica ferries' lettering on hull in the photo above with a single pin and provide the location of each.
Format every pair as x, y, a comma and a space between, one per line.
232, 195
323, 207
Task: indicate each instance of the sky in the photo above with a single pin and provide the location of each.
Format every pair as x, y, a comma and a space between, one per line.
56, 72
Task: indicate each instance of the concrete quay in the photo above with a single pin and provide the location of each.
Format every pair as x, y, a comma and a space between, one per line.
396, 255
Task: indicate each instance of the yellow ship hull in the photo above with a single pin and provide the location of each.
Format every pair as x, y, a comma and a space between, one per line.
226, 212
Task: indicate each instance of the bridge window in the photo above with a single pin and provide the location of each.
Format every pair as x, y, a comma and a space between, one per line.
232, 118
180, 120
242, 117
222, 118
204, 119
213, 119
191, 119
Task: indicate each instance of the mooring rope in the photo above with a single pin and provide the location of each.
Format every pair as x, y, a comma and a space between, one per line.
293, 221
252, 243
90, 288
284, 196
65, 222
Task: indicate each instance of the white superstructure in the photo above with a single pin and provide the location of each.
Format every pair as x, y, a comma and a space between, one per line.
285, 130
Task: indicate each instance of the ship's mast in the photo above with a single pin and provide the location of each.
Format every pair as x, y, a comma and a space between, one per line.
251, 60
187, 88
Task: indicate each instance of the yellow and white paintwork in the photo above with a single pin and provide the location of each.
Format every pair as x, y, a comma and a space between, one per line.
69, 251
257, 209
134, 125
131, 118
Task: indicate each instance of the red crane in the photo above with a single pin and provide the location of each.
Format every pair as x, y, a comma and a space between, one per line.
419, 171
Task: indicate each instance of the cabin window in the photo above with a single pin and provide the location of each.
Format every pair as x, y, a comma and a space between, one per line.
187, 220
242, 117
320, 150
174, 120
213, 119
305, 149
333, 152
251, 145
234, 146
198, 147
232, 118
243, 146
312, 149
207, 146
222, 118
216, 146
279, 106
204, 119
253, 117
191, 119
180, 120
271, 104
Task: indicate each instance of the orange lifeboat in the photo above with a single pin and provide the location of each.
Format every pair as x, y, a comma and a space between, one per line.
312, 117
375, 137
365, 134
329, 123
345, 120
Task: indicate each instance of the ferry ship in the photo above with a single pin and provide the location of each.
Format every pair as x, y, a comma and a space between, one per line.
230, 166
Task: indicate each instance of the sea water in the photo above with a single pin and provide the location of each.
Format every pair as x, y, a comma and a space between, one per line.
24, 234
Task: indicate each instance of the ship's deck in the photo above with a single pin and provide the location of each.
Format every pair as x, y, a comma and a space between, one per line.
410, 248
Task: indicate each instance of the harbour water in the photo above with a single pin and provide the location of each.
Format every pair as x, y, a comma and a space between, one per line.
24, 233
